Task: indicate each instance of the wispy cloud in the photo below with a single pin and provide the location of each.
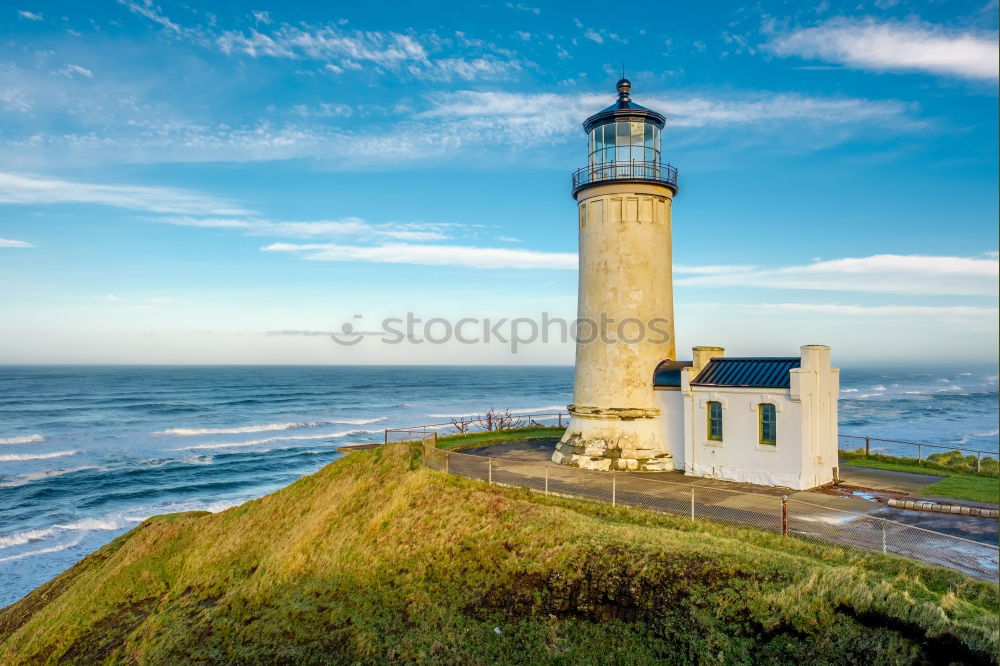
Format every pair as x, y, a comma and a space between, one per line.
151, 11
884, 273
420, 56
31, 16
7, 242
36, 190
883, 310
76, 70
912, 46
432, 255
352, 227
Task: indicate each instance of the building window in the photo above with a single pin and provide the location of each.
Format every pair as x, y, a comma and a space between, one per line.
768, 424
715, 421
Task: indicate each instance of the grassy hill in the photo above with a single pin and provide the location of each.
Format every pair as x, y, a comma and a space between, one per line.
374, 559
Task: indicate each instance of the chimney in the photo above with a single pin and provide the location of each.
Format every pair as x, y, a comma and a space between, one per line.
815, 357
700, 356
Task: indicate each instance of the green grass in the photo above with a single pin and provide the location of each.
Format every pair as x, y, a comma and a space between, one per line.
474, 439
956, 485
374, 560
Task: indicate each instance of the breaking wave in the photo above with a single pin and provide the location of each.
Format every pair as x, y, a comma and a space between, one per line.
24, 439
267, 427
268, 440
12, 457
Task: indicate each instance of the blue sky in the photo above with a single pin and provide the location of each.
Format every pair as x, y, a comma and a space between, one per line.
209, 182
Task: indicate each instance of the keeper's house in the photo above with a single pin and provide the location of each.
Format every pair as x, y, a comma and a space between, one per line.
768, 421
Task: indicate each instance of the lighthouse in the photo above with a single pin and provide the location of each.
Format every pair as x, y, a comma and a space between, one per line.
625, 325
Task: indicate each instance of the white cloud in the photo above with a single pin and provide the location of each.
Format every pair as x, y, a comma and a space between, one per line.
31, 16
418, 56
883, 310
348, 227
462, 124
151, 11
524, 8
711, 270
35, 190
71, 70
433, 255
886, 273
7, 242
869, 44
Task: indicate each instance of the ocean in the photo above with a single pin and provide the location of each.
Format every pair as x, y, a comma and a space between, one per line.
87, 453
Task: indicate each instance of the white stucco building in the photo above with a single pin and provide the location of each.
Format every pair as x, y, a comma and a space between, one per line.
768, 421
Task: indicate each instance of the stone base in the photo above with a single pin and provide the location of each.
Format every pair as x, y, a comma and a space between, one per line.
635, 445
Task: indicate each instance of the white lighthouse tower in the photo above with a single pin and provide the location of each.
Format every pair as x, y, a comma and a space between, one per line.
625, 305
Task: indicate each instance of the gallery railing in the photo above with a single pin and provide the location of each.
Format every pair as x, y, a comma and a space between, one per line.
653, 172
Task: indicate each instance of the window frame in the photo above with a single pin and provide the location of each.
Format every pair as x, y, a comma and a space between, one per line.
761, 440
708, 411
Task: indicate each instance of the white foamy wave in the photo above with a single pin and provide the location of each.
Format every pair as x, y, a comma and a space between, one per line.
267, 427
911, 393
879, 387
23, 439
17, 538
21, 479
538, 410
851, 390
268, 440
968, 437
12, 457
43, 551
188, 432
523, 410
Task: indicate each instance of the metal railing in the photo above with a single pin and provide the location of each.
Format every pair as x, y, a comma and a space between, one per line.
911, 447
470, 425
779, 514
653, 172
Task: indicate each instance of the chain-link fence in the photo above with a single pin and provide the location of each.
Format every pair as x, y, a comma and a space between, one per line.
772, 512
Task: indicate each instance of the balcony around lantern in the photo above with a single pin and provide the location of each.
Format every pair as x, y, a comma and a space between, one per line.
633, 171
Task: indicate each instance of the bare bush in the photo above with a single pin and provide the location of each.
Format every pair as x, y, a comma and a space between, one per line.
462, 424
495, 420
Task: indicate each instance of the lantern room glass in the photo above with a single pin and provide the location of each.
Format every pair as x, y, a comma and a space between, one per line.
629, 149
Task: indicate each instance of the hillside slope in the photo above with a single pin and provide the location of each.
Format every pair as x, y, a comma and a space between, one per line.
373, 559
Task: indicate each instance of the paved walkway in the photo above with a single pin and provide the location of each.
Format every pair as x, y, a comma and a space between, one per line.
815, 514
884, 479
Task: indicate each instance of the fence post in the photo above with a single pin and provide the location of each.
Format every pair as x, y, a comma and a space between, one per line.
386, 436
979, 461
784, 515
490, 478
546, 480
883, 537
920, 453
692, 504
435, 439
447, 458
613, 479
868, 446
560, 419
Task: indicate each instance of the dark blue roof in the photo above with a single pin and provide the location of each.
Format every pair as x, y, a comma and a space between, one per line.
668, 373
747, 372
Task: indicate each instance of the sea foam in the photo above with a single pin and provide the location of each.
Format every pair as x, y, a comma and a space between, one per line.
24, 439
12, 457
268, 440
267, 427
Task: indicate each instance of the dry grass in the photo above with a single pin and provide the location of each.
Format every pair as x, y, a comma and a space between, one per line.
373, 560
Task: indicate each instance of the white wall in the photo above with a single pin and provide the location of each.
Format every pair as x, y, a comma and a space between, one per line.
670, 400
805, 452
